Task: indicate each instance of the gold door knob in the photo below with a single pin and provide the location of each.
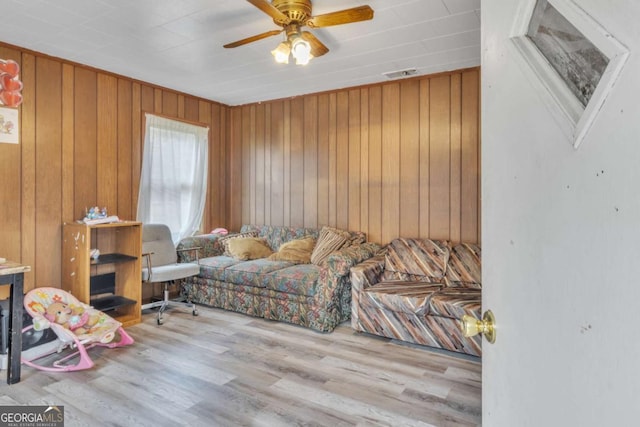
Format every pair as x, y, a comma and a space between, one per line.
471, 326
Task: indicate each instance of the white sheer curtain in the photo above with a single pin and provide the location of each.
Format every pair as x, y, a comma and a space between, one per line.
173, 182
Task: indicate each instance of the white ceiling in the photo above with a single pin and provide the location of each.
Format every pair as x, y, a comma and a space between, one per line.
178, 43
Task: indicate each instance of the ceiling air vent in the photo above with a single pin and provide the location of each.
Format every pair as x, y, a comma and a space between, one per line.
400, 73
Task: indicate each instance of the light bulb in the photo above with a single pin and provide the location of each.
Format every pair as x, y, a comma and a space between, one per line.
281, 53
301, 50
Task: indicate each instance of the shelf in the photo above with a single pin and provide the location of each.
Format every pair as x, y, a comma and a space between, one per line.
111, 302
111, 283
112, 259
114, 224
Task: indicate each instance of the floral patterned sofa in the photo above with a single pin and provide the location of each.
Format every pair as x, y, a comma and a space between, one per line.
313, 296
418, 292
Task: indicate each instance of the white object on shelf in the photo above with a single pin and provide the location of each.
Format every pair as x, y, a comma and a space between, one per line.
105, 220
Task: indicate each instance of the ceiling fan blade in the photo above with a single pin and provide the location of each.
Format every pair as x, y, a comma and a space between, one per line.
270, 10
253, 38
356, 14
317, 47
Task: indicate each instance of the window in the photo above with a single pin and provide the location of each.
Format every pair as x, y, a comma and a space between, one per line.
173, 182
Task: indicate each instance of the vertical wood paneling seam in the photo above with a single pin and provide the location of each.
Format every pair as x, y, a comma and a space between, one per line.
400, 163
302, 135
27, 158
460, 158
478, 119
449, 152
317, 126
68, 142
97, 127
420, 163
252, 163
136, 143
350, 144
364, 160
267, 168
286, 196
117, 126
354, 193
332, 156
375, 166
452, 178
429, 154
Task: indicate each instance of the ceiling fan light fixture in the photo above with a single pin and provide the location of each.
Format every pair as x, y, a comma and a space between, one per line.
281, 53
292, 16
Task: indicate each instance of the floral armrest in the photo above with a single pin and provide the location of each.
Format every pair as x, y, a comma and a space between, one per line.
339, 263
367, 273
334, 275
208, 244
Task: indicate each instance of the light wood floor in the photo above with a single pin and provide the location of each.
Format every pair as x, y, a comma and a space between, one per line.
227, 369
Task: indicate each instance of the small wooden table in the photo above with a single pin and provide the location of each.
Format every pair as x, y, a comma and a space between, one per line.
12, 273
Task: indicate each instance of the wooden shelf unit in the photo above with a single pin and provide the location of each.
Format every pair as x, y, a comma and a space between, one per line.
120, 246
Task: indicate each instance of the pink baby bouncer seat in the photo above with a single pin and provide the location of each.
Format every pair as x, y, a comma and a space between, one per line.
78, 333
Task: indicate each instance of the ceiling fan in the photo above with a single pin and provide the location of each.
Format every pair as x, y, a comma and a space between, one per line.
292, 15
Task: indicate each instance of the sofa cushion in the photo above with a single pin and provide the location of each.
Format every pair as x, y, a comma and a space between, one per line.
214, 267
329, 240
418, 257
297, 250
464, 267
224, 241
299, 279
399, 296
455, 303
247, 248
253, 273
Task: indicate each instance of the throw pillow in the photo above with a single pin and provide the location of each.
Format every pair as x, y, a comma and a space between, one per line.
464, 268
329, 240
224, 241
246, 248
298, 251
422, 257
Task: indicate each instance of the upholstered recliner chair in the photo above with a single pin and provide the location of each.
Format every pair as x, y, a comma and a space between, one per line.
418, 292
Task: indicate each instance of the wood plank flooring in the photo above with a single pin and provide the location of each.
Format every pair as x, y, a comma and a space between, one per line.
228, 369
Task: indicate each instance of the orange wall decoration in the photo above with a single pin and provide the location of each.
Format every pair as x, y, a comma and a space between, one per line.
10, 84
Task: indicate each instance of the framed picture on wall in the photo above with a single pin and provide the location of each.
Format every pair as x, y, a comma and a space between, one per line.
9, 129
572, 57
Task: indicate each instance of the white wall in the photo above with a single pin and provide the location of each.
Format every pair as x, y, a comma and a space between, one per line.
561, 241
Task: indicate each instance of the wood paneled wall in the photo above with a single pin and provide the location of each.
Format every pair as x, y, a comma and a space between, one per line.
396, 159
80, 146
